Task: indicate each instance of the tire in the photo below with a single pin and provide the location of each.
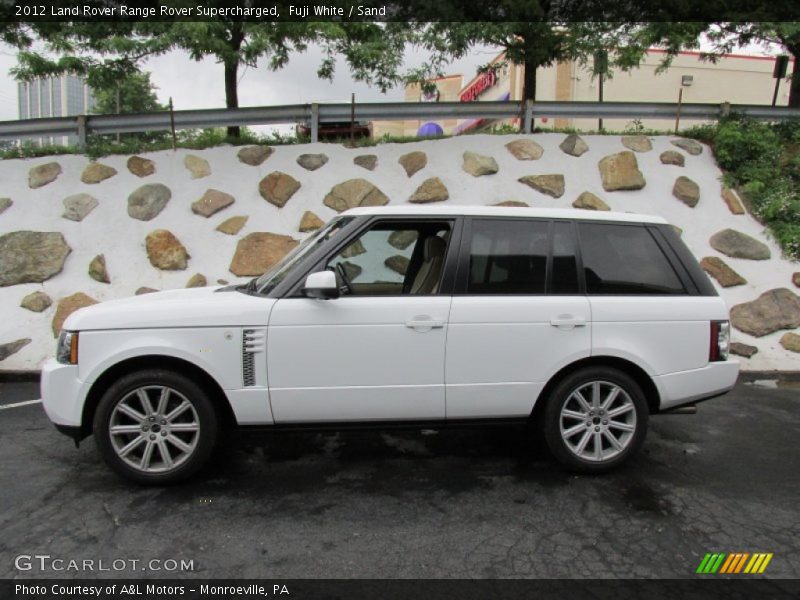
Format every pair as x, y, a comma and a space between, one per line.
618, 427
163, 443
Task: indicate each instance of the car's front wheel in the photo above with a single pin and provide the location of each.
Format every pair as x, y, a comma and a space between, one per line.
595, 419
155, 426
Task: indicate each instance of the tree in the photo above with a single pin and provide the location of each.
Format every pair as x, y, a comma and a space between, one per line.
132, 94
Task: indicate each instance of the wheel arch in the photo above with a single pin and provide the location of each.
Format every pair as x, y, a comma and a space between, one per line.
635, 371
155, 361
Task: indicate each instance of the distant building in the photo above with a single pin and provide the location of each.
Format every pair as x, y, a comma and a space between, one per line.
59, 96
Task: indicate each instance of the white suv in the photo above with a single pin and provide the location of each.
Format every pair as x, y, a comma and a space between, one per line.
585, 323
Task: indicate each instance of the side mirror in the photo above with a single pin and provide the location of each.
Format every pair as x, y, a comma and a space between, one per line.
321, 285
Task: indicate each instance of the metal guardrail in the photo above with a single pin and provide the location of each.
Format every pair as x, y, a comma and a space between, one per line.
314, 114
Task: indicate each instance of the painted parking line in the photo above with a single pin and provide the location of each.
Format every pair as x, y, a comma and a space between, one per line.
18, 404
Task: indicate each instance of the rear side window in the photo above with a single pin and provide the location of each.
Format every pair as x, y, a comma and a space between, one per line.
624, 259
508, 257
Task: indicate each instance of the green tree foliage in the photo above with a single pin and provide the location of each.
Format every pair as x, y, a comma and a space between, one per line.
134, 93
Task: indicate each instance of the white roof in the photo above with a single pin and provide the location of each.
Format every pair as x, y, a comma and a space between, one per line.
506, 211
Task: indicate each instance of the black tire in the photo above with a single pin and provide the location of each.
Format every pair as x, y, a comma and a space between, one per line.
562, 394
181, 388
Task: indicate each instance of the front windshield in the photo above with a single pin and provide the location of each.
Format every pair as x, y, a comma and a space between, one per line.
279, 270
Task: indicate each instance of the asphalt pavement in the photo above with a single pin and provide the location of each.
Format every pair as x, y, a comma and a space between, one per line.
447, 504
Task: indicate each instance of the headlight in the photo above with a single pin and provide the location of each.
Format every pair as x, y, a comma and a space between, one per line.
67, 348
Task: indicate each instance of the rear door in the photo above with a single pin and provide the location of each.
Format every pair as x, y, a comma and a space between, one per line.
517, 317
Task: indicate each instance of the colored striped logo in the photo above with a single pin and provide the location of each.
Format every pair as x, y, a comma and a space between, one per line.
734, 562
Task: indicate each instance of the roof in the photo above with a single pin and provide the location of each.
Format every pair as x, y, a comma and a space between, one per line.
506, 211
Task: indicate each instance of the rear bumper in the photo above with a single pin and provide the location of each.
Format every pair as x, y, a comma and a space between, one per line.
684, 387
62, 394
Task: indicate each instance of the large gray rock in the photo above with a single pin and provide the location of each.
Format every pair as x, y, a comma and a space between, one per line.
719, 270
211, 202
10, 348
31, 256
197, 166
147, 201
687, 191
574, 145
277, 188
366, 161
4, 204
310, 222
36, 302
397, 263
732, 201
353, 193
254, 155
637, 143
588, 201
312, 162
478, 165
739, 245
98, 270
43, 174
413, 162
690, 146
258, 252
77, 206
772, 311
197, 280
552, 185
790, 341
431, 190
671, 157
621, 172
403, 238
745, 350
165, 251
525, 149
96, 172
233, 225
140, 166
67, 306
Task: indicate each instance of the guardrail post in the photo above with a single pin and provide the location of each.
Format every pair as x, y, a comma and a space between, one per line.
528, 118
81, 122
314, 123
724, 110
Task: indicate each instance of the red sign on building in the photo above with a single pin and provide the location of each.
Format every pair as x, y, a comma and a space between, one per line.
483, 83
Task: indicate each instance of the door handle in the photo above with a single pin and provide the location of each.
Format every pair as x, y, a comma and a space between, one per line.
423, 323
567, 322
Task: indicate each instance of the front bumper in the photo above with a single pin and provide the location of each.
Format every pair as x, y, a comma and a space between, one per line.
62, 394
686, 387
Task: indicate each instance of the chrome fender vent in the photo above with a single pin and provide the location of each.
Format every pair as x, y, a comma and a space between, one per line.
253, 342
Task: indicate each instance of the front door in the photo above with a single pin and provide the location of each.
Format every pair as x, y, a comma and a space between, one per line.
377, 352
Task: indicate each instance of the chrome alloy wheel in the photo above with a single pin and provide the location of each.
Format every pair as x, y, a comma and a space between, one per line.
597, 421
154, 429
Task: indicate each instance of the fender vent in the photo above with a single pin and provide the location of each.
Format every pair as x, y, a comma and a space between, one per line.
252, 344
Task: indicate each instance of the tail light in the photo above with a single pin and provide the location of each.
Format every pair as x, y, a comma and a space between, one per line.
720, 341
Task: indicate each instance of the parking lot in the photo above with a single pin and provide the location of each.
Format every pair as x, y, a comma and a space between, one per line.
448, 504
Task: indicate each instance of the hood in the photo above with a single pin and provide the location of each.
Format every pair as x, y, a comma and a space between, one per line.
195, 307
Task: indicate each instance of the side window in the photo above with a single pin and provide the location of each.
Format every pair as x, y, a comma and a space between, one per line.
393, 258
625, 259
507, 257
564, 279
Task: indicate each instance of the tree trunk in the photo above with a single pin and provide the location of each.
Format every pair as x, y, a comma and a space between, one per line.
794, 81
528, 88
232, 92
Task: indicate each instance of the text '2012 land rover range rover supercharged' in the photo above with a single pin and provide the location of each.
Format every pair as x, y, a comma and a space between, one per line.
584, 323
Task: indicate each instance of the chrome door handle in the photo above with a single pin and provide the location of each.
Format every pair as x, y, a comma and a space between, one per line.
424, 324
567, 322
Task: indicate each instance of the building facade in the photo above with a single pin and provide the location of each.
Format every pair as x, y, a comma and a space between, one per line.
58, 96
738, 79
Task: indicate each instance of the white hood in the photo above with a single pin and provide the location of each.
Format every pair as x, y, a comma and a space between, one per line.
197, 307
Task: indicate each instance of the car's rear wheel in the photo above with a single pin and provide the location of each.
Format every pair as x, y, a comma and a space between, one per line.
155, 426
595, 419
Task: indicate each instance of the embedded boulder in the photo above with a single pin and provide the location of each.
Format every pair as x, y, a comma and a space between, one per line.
637, 143
692, 147
36, 302
144, 290
10, 348
140, 166
512, 203
552, 185
312, 162
277, 187
165, 251
4, 204
671, 157
98, 270
397, 263
233, 225
478, 165
67, 306
732, 201
739, 245
197, 166
687, 191
574, 145
310, 222
719, 270
525, 149
146, 202
413, 162
588, 201
366, 161
796, 279
78, 206
254, 155
790, 341
431, 190
351, 270
43, 174
257, 252
353, 193
31, 256
772, 311
745, 350
197, 280
211, 202
96, 172
354, 249
621, 172
402, 238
